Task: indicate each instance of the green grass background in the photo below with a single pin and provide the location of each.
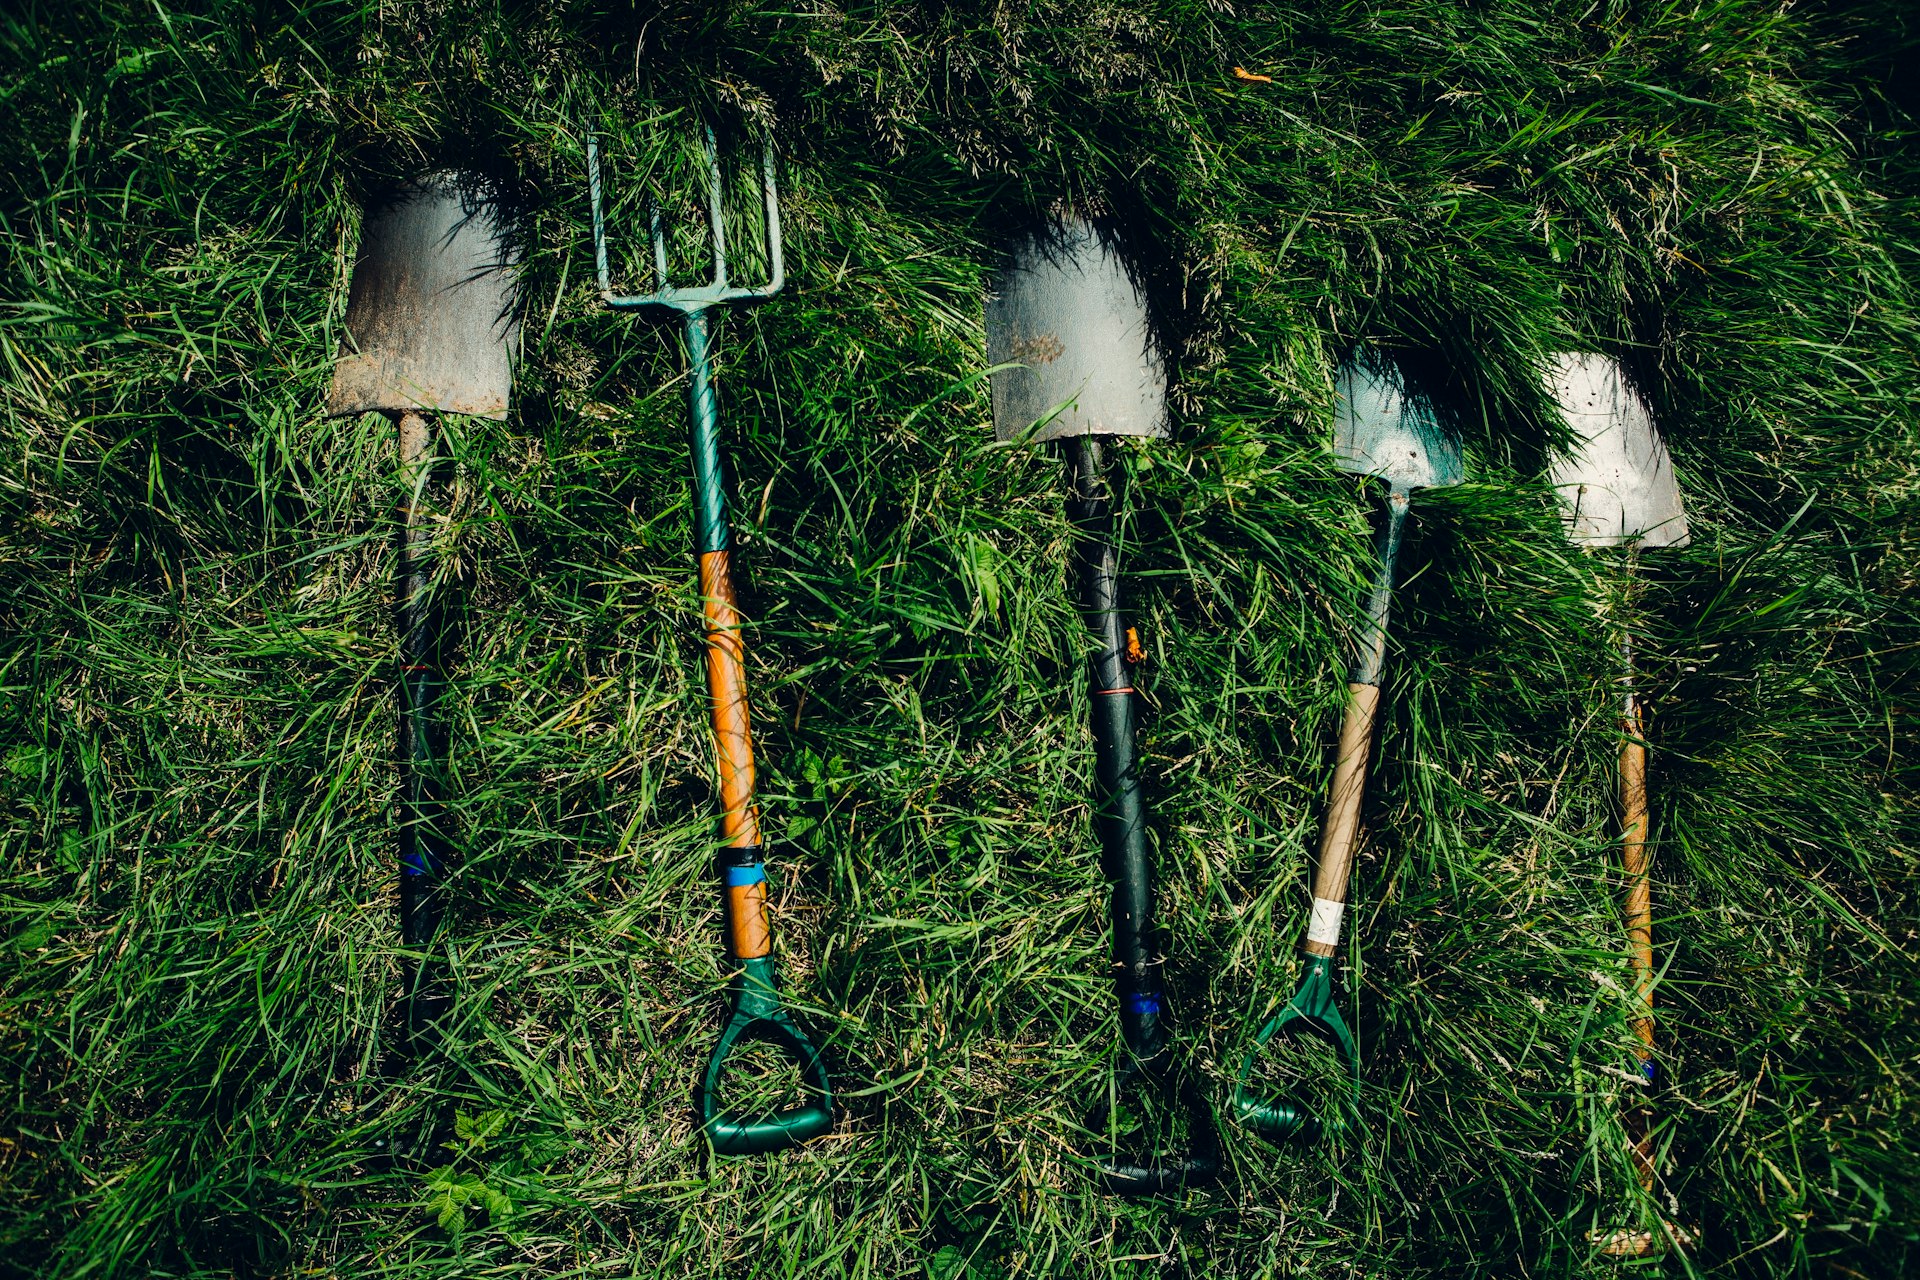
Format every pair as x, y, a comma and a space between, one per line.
197, 649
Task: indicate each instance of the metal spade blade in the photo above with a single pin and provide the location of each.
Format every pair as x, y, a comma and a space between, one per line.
1064, 308
430, 318
1617, 485
1378, 430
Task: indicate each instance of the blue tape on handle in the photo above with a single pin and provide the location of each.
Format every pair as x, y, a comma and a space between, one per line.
1144, 1002
1650, 1069
753, 873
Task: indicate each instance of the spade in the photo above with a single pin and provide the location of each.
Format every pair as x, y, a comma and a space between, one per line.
1379, 431
1617, 488
430, 329
1074, 362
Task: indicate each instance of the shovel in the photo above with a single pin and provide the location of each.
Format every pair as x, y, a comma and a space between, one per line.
757, 1011
1618, 490
1379, 430
430, 328
1067, 336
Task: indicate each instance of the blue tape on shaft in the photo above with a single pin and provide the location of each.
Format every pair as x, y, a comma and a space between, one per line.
1144, 1002
1650, 1069
419, 864
754, 873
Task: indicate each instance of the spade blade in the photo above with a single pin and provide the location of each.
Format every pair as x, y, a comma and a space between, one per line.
430, 318
1380, 430
1065, 311
1617, 485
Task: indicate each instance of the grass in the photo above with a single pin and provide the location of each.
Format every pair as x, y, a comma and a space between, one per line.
197, 648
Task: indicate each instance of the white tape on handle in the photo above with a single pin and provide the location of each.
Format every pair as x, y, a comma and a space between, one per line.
1324, 927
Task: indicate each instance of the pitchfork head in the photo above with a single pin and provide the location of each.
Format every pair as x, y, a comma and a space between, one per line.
715, 291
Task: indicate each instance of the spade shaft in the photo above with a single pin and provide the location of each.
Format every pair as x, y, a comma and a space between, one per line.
1340, 828
423, 844
1634, 824
1120, 807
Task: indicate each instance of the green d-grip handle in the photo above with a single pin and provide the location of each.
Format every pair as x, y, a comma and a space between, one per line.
1156, 1173
758, 1015
1312, 1011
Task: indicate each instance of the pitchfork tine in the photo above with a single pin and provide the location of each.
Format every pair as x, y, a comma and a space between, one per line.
716, 217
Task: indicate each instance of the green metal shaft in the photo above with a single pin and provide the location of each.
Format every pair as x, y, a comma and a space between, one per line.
710, 531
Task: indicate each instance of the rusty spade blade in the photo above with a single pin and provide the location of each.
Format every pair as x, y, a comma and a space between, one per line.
1066, 313
430, 318
1617, 485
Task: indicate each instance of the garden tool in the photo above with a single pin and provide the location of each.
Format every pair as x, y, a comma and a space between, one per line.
1067, 336
1379, 430
1618, 488
430, 328
757, 1012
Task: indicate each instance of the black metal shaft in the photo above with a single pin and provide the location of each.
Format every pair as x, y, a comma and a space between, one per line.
1120, 805
423, 846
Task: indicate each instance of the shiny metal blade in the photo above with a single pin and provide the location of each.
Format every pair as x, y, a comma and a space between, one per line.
1618, 485
1065, 310
1379, 430
431, 318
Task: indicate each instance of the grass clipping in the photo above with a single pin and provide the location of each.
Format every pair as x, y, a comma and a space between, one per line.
198, 653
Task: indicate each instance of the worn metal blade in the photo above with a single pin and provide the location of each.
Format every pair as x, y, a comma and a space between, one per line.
1618, 485
431, 320
1064, 309
1379, 430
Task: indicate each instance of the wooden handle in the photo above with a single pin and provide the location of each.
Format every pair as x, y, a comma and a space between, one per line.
749, 932
1341, 827
1633, 857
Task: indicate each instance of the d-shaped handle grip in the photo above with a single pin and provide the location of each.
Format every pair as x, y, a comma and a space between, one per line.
1155, 1173
1311, 1012
757, 1015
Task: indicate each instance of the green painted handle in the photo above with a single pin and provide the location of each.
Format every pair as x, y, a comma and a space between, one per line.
1312, 1011
758, 1015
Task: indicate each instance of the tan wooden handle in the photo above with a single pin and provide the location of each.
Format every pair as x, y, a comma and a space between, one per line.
748, 928
1340, 829
1633, 858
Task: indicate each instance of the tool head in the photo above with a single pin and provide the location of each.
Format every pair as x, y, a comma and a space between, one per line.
431, 318
1617, 485
1064, 310
717, 290
1380, 430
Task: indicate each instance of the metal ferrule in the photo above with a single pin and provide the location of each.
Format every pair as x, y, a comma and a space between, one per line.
1371, 653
